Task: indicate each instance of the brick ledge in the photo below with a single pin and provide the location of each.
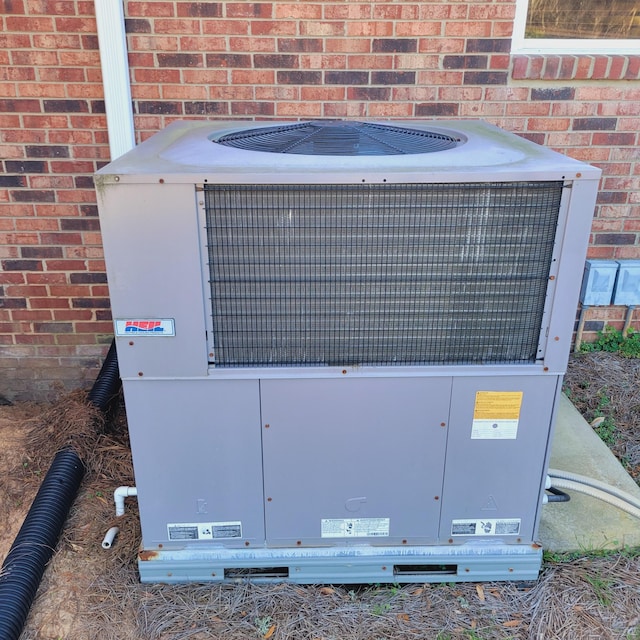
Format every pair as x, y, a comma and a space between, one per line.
575, 67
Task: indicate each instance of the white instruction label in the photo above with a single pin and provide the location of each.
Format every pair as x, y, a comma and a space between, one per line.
204, 531
496, 415
354, 527
486, 527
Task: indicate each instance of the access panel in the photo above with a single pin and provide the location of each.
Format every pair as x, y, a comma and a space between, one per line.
353, 460
496, 454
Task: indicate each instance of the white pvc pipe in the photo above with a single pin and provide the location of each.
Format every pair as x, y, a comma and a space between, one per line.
112, 42
120, 494
110, 537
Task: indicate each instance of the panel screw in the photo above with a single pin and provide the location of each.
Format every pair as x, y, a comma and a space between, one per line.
131, 343
140, 373
269, 499
266, 426
161, 181
443, 424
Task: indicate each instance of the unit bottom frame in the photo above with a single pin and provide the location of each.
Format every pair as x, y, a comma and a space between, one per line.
471, 562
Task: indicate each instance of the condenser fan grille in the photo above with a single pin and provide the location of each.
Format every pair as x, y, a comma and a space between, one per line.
338, 138
313, 275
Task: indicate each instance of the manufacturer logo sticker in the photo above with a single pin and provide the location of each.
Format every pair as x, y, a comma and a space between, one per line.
148, 327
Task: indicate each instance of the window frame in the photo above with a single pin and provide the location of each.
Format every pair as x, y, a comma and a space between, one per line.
594, 46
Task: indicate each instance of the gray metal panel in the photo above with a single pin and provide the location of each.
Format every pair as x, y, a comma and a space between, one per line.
488, 478
184, 152
197, 456
353, 449
152, 253
573, 236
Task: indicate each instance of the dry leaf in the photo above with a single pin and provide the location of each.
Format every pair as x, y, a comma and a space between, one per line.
327, 591
511, 623
216, 619
403, 616
474, 624
480, 591
269, 633
495, 593
418, 592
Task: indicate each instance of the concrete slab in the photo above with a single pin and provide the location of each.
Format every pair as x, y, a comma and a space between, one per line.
585, 523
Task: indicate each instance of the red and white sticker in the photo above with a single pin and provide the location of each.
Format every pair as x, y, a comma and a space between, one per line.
155, 327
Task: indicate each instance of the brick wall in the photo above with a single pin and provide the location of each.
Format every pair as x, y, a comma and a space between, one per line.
260, 60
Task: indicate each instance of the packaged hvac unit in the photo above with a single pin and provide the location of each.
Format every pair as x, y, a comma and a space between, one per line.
342, 345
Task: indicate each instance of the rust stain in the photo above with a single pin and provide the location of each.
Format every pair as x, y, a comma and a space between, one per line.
145, 555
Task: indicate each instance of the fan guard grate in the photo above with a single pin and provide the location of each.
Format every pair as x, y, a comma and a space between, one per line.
340, 138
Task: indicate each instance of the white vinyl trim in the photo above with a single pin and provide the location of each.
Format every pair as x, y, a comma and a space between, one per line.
521, 44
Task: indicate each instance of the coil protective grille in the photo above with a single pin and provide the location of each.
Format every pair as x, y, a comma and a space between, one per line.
340, 138
308, 275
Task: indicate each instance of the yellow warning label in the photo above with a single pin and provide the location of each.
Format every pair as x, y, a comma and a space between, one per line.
497, 405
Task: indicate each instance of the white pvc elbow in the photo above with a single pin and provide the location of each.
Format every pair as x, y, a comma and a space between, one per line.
120, 494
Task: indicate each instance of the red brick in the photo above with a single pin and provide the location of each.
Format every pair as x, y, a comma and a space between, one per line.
249, 9
323, 93
46, 278
300, 11
280, 28
49, 303
614, 139
468, 29
31, 315
348, 45
203, 43
367, 29
230, 28
154, 43
28, 24
151, 9
403, 12
354, 11
417, 29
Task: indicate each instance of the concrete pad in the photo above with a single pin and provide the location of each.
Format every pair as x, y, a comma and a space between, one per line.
585, 523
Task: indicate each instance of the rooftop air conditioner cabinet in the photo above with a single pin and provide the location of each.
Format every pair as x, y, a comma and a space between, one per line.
342, 345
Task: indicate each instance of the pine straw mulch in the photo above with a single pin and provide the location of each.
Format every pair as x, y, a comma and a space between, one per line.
606, 385
90, 594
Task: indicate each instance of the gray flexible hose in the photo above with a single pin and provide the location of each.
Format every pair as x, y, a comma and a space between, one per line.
597, 484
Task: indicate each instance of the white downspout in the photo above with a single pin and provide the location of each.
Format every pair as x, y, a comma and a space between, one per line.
112, 42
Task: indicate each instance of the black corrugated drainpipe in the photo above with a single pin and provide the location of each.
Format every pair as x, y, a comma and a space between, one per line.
34, 545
